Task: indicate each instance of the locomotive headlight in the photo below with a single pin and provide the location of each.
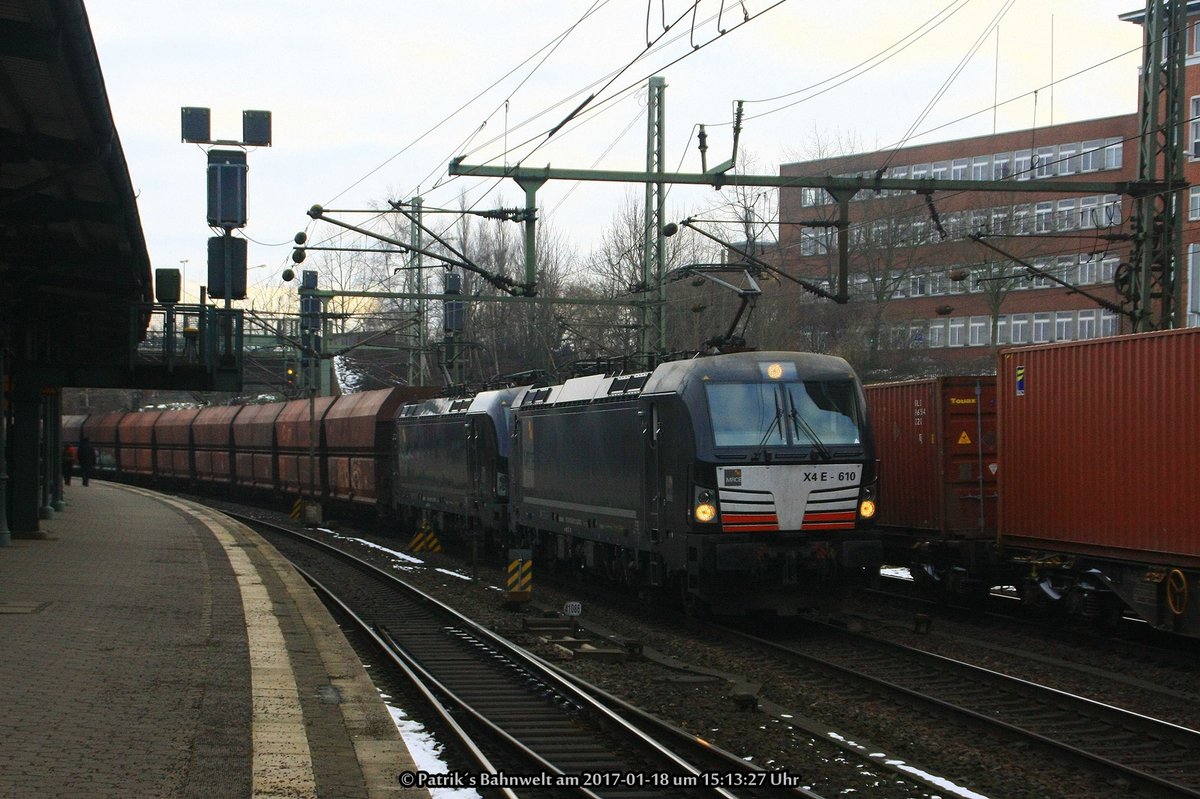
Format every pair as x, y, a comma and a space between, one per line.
866, 508
704, 506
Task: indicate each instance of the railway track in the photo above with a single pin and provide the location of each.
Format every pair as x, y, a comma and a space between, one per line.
543, 733
1155, 757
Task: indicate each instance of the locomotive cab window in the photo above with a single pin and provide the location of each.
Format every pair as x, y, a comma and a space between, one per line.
811, 414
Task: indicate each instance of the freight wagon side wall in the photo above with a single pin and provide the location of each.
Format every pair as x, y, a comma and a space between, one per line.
358, 436
173, 437
299, 466
136, 432
1101, 443
254, 445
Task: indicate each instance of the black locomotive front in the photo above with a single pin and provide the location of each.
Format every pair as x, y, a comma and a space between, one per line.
743, 482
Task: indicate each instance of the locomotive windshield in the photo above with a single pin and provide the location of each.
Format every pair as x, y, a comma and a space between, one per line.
815, 414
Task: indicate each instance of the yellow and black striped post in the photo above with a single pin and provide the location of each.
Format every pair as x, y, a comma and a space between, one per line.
520, 576
297, 508
425, 540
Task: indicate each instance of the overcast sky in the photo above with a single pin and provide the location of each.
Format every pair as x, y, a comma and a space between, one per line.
371, 99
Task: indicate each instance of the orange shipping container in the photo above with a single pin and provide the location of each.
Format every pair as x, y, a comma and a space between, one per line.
1101, 447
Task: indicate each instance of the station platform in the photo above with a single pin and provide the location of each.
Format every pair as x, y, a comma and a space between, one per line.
152, 647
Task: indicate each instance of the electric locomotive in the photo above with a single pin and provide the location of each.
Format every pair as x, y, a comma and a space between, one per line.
743, 482
450, 459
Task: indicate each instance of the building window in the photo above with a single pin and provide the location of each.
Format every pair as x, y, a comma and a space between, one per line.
1067, 266
1113, 153
937, 283
1041, 328
1194, 148
958, 326
1000, 166
1091, 157
981, 167
916, 336
1089, 269
937, 334
1021, 219
1002, 330
1000, 221
1068, 161
960, 168
1018, 328
1042, 217
1193, 285
917, 286
920, 171
1021, 163
1064, 326
1044, 164
1088, 213
1112, 210
1108, 269
918, 230
1087, 326
1194, 203
978, 333
1109, 324
1065, 218
1042, 265
941, 170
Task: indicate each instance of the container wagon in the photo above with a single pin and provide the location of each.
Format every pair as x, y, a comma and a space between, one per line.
938, 465
1098, 502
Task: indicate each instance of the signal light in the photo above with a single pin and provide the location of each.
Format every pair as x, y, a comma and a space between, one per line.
291, 375
866, 508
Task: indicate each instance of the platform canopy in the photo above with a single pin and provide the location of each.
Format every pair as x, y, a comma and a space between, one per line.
73, 260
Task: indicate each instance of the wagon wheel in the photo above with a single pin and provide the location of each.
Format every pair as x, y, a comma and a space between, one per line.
1177, 592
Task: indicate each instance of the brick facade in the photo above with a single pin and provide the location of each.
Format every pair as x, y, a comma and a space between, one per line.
938, 292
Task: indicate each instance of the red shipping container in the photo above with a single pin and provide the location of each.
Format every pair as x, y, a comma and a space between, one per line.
1101, 443
936, 443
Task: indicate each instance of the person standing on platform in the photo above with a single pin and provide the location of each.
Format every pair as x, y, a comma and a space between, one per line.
87, 458
68, 463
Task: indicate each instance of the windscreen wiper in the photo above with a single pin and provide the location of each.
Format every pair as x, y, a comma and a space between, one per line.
803, 425
762, 445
